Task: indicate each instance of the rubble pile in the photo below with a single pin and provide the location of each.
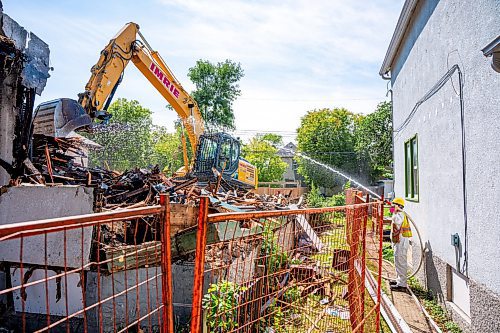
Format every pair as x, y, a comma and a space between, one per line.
63, 161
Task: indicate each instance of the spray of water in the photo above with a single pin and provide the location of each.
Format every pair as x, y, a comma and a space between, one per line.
329, 168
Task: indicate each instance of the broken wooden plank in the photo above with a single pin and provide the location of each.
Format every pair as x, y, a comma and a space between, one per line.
184, 242
301, 220
133, 256
182, 217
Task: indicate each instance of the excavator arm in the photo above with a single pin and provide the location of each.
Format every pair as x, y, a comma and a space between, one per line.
129, 45
215, 151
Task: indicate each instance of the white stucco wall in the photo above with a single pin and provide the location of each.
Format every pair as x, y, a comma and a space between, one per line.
30, 203
455, 33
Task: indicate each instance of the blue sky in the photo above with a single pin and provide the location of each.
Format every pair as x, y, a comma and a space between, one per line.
297, 55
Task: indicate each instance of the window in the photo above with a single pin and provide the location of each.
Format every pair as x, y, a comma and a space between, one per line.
411, 169
224, 154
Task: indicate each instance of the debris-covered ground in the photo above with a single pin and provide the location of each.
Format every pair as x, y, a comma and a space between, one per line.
62, 161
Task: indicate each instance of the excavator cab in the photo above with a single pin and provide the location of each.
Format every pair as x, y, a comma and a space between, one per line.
221, 151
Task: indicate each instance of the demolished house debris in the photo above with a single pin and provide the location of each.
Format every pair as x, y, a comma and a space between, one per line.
59, 163
24, 61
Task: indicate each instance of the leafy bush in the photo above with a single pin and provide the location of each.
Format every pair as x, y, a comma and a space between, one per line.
335, 200
388, 253
316, 200
221, 301
314, 197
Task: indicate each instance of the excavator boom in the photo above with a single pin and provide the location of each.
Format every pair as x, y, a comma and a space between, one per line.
108, 72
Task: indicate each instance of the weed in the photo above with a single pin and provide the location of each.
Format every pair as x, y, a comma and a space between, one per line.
388, 253
314, 298
221, 302
452, 327
276, 258
292, 295
295, 261
435, 310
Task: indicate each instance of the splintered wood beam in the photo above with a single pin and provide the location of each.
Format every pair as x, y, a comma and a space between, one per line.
301, 220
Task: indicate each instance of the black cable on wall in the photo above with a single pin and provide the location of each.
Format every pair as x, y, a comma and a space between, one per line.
439, 84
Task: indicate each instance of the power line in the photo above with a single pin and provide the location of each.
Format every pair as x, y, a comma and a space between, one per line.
333, 100
263, 131
311, 152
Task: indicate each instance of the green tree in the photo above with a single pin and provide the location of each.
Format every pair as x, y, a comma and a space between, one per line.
374, 140
127, 140
275, 140
327, 136
130, 140
216, 90
262, 152
167, 147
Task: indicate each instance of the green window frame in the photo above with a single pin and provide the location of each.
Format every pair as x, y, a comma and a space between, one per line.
411, 169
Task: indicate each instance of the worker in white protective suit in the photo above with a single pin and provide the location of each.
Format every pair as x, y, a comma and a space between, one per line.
400, 236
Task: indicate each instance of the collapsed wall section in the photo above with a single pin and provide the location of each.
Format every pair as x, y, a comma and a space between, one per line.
24, 70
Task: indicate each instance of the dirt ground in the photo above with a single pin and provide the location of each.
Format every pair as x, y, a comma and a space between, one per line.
403, 301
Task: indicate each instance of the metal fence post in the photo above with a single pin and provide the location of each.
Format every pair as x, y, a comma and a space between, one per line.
199, 266
363, 262
166, 268
379, 277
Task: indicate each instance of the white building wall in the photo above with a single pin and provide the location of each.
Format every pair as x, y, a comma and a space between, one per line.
455, 33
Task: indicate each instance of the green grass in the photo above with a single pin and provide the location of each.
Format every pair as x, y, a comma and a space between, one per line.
388, 252
332, 239
435, 310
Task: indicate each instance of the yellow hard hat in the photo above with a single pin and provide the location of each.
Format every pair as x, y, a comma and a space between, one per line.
399, 201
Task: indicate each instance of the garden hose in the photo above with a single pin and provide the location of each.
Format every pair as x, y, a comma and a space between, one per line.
422, 252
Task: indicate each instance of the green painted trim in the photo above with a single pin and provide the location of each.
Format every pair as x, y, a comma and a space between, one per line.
407, 145
409, 179
413, 199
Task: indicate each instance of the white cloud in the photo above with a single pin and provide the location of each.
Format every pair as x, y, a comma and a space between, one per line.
297, 55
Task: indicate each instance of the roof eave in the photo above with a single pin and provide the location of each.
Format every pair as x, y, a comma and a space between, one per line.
397, 37
492, 47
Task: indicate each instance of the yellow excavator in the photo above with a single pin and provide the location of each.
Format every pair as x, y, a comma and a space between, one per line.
214, 153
